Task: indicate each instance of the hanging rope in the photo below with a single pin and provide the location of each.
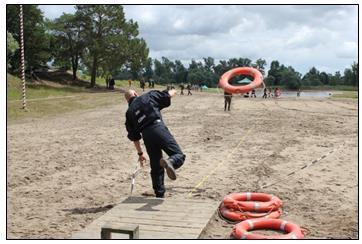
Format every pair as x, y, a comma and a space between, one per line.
22, 56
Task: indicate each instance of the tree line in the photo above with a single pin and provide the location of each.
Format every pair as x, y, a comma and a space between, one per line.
99, 41
96, 38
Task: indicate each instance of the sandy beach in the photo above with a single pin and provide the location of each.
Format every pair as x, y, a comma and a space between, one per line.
65, 171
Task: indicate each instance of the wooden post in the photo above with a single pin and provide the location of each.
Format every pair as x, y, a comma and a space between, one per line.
129, 229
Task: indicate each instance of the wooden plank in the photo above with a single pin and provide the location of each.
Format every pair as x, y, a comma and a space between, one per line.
175, 214
166, 216
156, 218
156, 228
145, 234
185, 224
161, 206
155, 221
155, 203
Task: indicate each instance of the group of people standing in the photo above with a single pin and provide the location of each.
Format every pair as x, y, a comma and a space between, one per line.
188, 87
268, 92
151, 83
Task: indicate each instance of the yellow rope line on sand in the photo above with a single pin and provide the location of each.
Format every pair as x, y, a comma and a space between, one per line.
217, 166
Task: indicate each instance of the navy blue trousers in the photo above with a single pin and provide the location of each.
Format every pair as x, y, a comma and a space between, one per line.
157, 138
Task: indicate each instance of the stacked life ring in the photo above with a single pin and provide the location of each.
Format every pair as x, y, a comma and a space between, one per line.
240, 231
227, 87
242, 206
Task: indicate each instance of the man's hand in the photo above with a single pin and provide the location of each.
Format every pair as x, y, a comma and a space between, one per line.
142, 160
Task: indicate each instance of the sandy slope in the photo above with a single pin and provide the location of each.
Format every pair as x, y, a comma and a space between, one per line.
65, 171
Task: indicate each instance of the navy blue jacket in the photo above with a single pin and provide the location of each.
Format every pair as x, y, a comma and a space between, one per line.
144, 110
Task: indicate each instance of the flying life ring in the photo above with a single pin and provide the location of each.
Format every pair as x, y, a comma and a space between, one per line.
252, 201
224, 80
240, 230
237, 215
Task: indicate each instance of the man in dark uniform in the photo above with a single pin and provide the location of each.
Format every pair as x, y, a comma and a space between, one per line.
143, 119
142, 84
189, 89
227, 97
182, 89
111, 83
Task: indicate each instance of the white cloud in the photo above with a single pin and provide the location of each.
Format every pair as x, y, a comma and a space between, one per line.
54, 11
348, 50
298, 35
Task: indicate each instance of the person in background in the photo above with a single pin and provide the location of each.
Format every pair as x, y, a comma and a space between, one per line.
265, 93
182, 87
277, 92
298, 93
253, 93
227, 100
142, 84
111, 83
189, 89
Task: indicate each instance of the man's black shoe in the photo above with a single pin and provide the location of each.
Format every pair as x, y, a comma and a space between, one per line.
166, 164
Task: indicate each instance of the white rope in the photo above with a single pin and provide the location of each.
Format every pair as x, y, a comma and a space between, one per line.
304, 167
22, 55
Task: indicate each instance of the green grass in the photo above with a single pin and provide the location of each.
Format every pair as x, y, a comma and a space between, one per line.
213, 90
335, 88
346, 94
43, 101
54, 107
47, 101
14, 90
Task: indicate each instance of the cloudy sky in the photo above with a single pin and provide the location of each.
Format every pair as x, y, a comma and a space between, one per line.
324, 36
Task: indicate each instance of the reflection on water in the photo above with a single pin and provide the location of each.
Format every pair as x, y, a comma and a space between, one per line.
303, 94
308, 94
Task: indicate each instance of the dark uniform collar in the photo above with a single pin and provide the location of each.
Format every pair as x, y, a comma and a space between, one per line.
131, 100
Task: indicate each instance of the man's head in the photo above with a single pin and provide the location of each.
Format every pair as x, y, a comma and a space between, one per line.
129, 94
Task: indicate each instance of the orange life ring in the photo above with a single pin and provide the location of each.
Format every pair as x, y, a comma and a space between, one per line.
257, 81
237, 215
240, 230
252, 201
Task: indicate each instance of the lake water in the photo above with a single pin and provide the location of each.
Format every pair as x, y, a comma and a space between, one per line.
317, 94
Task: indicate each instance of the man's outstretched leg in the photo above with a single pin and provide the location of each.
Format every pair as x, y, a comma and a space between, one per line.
173, 150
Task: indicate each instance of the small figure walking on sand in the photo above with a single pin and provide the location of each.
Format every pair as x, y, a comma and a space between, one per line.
189, 89
252, 93
265, 93
227, 98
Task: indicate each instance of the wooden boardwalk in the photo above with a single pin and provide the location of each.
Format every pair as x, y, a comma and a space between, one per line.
157, 218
